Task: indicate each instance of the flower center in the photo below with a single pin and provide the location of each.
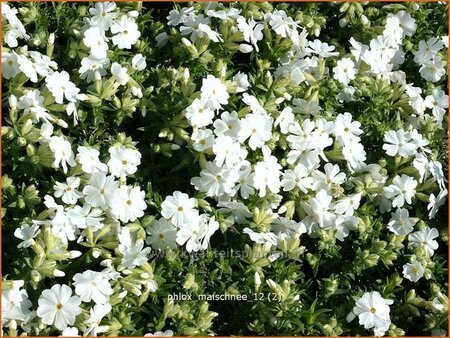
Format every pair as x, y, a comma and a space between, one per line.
124, 162
129, 202
180, 208
59, 306
373, 310
161, 237
69, 189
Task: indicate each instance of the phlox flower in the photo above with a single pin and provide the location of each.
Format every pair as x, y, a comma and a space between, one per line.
179, 208
58, 307
401, 191
128, 204
126, 32
92, 285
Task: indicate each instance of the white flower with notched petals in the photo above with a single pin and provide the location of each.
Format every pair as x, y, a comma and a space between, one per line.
126, 32
251, 30
401, 223
373, 312
68, 191
179, 208
101, 190
96, 314
413, 271
58, 307
92, 285
297, 178
214, 90
399, 143
281, 23
62, 151
10, 65
123, 161
200, 112
27, 234
120, 73
425, 239
60, 86
95, 40
15, 302
433, 70
203, 139
401, 191
345, 71
89, 160
161, 235
103, 14
93, 68
128, 204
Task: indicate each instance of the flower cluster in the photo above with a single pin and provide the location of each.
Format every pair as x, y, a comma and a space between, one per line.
251, 149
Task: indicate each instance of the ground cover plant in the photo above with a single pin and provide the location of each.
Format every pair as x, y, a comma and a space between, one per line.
224, 169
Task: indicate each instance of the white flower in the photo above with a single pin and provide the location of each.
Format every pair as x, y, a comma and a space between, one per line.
347, 205
299, 177
133, 254
228, 124
354, 152
176, 17
32, 102
215, 181
214, 90
101, 190
319, 208
238, 209
10, 65
179, 208
94, 38
161, 235
435, 202
68, 191
92, 285
345, 71
252, 31
123, 161
128, 204
15, 302
27, 234
241, 80
126, 32
433, 70
281, 23
285, 120
103, 14
57, 306
120, 73
197, 232
257, 127
60, 86
89, 160
425, 238
138, 62
399, 143
62, 227
267, 174
331, 176
287, 226
200, 112
27, 67
413, 271
203, 139
373, 312
93, 68
86, 216
96, 314
62, 151
320, 48
345, 129
401, 191
401, 223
